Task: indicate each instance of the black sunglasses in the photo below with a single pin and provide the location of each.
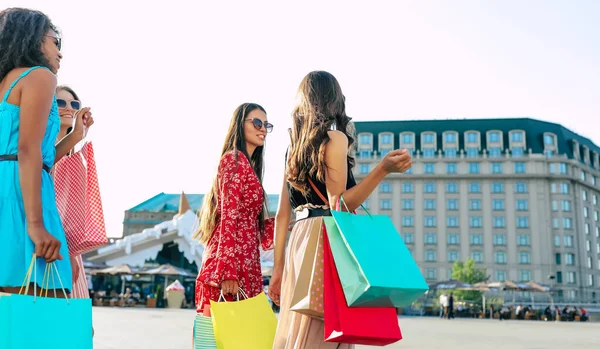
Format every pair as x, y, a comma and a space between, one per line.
58, 41
75, 104
258, 124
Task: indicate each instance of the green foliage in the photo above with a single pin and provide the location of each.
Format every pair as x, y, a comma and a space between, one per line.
469, 273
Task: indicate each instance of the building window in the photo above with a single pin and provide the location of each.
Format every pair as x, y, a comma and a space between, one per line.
494, 137
500, 275
521, 187
554, 205
409, 238
524, 257
567, 223
367, 204
519, 167
364, 169
385, 152
500, 257
569, 259
408, 221
408, 204
477, 239
568, 240
365, 139
452, 187
385, 187
495, 152
548, 140
452, 204
385, 204
522, 222
522, 205
475, 205
499, 240
497, 187
571, 279
430, 204
557, 258
430, 221
516, 137
451, 167
555, 223
429, 168
473, 167
428, 153
556, 241
523, 240
450, 137
496, 167
431, 274
564, 188
475, 222
386, 139
450, 152
407, 187
430, 256
586, 212
431, 238
407, 138
563, 168
595, 198
499, 222
517, 152
472, 137
453, 256
452, 221
474, 187
566, 205
428, 138
525, 275
498, 204
477, 256
430, 187
453, 239
472, 152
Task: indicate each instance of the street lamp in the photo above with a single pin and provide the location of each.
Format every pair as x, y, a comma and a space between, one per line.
551, 278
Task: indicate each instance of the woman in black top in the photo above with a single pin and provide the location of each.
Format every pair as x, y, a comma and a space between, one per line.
322, 140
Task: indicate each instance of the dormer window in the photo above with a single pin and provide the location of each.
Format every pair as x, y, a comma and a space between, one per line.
365, 138
386, 138
494, 137
428, 138
472, 137
516, 136
548, 139
450, 137
407, 138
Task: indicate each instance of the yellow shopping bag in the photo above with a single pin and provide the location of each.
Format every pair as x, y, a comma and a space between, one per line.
249, 323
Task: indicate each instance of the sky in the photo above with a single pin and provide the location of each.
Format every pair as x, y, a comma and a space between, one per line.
164, 77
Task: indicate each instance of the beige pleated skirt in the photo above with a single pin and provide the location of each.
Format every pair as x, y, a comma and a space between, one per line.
295, 330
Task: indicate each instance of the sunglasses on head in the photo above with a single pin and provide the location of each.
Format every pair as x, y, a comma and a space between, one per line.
75, 105
258, 124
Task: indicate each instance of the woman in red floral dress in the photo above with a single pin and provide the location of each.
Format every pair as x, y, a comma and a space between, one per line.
233, 225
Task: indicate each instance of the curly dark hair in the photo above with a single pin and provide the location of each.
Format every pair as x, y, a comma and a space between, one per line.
22, 33
321, 106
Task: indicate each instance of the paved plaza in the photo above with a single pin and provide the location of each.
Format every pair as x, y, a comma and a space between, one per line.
140, 328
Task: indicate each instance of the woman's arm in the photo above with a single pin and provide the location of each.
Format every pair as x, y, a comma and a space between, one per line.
83, 120
37, 95
282, 221
336, 153
231, 176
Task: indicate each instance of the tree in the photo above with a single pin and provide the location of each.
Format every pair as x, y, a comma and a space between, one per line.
469, 273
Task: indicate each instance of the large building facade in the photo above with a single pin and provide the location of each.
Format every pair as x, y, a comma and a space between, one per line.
518, 196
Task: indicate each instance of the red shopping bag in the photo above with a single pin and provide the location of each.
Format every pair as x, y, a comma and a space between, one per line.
78, 201
366, 326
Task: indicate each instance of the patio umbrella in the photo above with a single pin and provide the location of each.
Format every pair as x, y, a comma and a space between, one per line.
119, 270
167, 270
450, 285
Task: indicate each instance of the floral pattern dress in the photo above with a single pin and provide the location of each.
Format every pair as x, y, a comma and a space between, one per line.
233, 251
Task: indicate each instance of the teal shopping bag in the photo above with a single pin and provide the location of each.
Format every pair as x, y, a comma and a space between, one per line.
204, 336
375, 267
43, 322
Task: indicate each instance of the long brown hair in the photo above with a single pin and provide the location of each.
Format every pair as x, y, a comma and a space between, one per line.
234, 141
321, 105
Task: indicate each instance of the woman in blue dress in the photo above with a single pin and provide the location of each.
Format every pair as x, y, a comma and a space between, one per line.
29, 124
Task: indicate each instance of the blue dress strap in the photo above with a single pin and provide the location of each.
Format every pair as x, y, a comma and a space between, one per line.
23, 74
